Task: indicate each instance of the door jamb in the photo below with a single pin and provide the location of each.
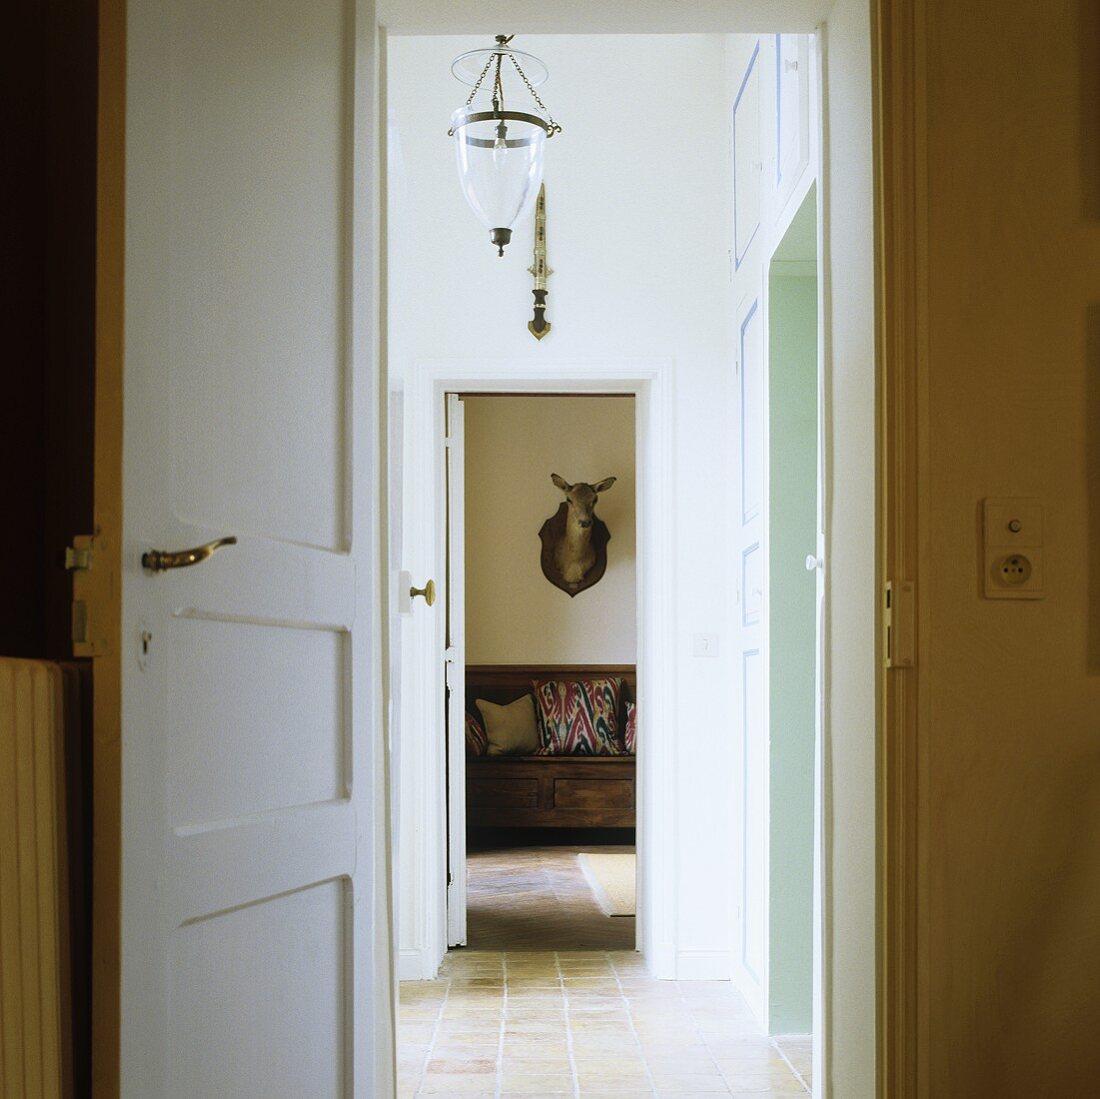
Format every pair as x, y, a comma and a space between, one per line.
102, 583
900, 151
899, 157
651, 384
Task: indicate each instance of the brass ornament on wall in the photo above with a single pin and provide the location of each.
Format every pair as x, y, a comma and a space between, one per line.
538, 326
574, 540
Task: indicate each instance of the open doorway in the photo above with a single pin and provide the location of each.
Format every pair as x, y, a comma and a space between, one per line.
542, 672
156, 132
673, 318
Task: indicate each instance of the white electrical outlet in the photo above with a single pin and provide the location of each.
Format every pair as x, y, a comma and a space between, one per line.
1012, 552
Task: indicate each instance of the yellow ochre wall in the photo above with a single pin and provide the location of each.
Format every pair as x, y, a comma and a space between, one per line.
514, 615
1010, 691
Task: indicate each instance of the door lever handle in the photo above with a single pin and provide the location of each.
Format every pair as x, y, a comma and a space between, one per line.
162, 560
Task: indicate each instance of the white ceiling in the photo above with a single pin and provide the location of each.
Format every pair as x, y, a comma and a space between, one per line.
491, 17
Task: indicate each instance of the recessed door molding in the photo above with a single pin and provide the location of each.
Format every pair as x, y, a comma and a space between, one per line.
424, 787
900, 128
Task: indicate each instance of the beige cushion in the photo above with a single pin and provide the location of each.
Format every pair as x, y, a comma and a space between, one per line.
511, 729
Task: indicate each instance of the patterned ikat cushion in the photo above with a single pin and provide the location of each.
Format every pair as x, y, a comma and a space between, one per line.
630, 733
477, 743
579, 717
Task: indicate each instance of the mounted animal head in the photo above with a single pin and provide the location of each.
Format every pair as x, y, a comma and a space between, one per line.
582, 498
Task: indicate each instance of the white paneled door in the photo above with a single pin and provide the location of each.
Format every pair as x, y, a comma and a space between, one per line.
254, 893
455, 451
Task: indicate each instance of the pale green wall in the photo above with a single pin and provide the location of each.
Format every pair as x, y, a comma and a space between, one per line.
792, 416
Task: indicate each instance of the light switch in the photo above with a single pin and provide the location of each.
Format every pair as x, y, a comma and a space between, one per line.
1012, 557
706, 644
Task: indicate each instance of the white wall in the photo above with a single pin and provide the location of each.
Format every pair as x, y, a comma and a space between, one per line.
638, 219
514, 615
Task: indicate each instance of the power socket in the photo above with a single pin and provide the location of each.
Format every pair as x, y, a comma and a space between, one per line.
1012, 551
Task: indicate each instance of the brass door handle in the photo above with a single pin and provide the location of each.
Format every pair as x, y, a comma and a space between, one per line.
161, 560
428, 591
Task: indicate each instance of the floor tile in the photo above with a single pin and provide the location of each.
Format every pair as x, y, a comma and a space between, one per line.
590, 1021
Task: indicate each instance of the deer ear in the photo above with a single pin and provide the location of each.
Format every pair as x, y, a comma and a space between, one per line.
604, 485
561, 482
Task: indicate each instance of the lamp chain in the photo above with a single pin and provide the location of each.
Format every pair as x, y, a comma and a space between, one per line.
498, 87
554, 127
480, 80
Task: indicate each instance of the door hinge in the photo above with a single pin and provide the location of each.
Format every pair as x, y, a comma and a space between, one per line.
79, 560
899, 623
79, 555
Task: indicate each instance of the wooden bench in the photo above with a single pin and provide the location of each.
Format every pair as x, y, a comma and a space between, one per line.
547, 791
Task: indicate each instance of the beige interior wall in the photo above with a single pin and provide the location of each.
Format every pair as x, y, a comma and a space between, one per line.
1011, 690
514, 615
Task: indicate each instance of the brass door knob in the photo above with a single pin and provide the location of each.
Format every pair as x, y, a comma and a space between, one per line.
428, 591
161, 560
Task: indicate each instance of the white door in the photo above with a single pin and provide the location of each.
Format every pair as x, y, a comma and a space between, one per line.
254, 895
456, 672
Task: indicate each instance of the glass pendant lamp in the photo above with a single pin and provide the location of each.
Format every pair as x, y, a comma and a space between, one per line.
499, 152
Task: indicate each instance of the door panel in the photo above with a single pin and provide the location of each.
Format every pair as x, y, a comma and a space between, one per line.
253, 766
792, 111
290, 735
231, 1031
755, 821
746, 159
752, 545
752, 416
256, 233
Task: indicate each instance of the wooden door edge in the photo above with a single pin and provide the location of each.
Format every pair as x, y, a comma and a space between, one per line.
104, 587
898, 43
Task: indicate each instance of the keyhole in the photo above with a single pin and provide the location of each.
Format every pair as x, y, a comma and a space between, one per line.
146, 637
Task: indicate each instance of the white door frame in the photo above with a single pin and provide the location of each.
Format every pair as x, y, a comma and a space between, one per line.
424, 786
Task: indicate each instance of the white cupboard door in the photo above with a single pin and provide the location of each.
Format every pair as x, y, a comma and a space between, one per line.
752, 526
252, 960
456, 673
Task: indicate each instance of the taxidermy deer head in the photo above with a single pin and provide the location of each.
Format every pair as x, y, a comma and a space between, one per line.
574, 541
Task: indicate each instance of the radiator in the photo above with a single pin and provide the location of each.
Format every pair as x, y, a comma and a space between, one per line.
35, 1016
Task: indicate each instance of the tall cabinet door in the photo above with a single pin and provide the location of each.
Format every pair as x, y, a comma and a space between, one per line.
750, 949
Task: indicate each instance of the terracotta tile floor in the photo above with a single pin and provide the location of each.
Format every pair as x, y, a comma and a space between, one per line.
582, 1022
537, 898
533, 1023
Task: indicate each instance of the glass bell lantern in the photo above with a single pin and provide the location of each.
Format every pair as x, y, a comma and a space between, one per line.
499, 152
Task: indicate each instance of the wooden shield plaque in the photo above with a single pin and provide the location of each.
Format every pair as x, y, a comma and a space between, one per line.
552, 535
